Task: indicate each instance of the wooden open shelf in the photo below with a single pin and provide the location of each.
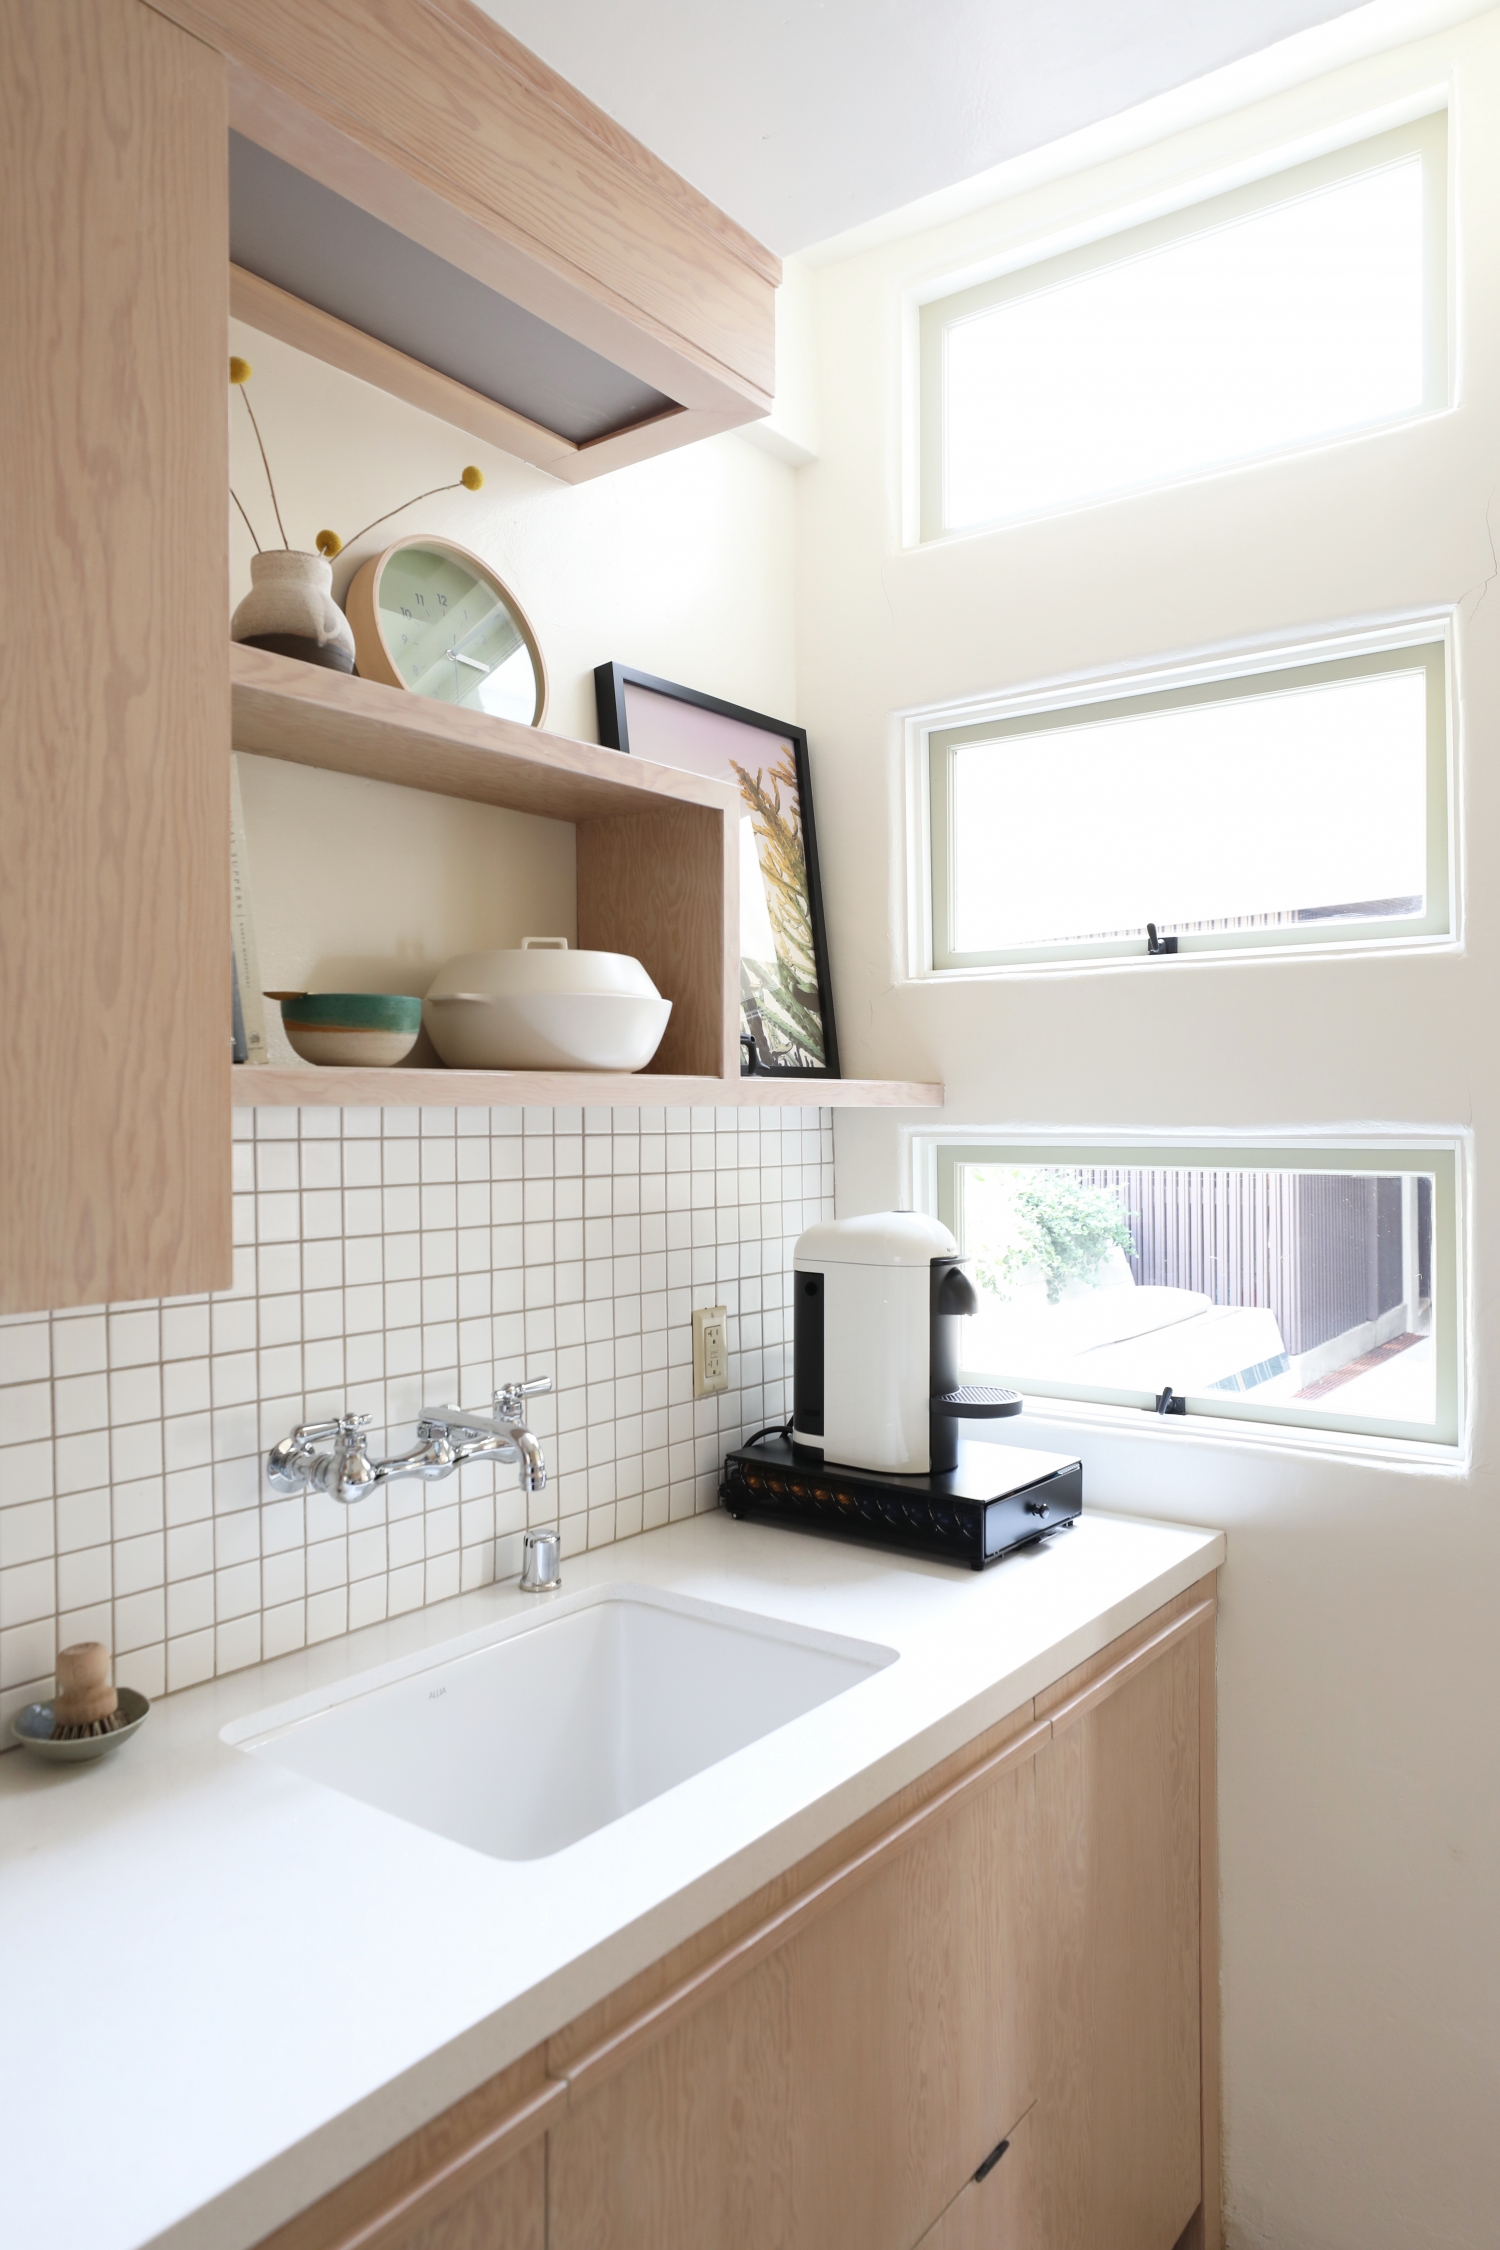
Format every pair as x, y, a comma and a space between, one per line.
266, 1087
658, 877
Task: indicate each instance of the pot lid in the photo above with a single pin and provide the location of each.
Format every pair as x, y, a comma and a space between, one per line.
547, 965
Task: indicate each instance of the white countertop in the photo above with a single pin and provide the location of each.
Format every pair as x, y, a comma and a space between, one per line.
224, 1988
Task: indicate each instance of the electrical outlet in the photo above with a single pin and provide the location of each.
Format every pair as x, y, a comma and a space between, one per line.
710, 1351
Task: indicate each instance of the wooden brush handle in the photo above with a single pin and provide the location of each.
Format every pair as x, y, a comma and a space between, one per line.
84, 1665
83, 1694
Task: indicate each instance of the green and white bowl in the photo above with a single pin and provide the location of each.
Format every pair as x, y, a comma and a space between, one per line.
358, 1030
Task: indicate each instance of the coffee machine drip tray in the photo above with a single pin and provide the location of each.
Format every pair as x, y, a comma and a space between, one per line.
997, 1499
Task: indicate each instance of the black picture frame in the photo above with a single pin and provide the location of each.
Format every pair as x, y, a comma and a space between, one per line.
610, 683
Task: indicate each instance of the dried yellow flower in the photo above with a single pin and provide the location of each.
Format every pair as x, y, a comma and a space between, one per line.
240, 371
472, 479
329, 544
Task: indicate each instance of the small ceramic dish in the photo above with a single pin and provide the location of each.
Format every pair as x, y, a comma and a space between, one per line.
360, 1030
32, 1728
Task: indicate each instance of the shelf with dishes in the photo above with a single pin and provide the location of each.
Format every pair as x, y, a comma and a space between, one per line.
656, 852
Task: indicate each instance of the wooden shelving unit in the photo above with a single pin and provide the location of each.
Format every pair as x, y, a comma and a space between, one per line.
658, 876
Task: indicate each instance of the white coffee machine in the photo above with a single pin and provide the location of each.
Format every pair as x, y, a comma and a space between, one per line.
876, 1308
873, 1450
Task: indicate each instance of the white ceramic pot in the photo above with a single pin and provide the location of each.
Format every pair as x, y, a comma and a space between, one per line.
545, 1007
291, 598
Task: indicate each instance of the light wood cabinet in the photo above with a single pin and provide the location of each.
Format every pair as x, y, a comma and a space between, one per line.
1118, 2125
1020, 1947
427, 115
114, 700
114, 705
848, 2085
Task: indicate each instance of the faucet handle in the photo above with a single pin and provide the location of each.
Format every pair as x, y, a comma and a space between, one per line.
342, 1425
508, 1396
294, 1464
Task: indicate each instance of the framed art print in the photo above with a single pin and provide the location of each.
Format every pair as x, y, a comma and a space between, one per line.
786, 998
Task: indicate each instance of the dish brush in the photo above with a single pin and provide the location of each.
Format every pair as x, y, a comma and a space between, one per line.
85, 1703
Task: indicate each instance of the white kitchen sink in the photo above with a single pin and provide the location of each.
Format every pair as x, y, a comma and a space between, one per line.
546, 1732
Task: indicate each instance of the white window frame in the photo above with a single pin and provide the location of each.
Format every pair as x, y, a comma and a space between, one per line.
937, 1156
1425, 136
932, 735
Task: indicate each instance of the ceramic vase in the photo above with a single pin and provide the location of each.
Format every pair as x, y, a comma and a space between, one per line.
290, 608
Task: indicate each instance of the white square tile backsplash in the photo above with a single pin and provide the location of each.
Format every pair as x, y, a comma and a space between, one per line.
384, 1260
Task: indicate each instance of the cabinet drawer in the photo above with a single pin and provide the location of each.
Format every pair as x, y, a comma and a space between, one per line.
997, 2212
840, 2091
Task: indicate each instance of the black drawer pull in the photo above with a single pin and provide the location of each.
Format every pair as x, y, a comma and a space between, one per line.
991, 2161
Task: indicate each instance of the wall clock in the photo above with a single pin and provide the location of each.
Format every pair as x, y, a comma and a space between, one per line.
433, 618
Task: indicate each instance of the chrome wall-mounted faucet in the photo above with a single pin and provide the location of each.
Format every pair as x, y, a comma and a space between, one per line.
447, 1437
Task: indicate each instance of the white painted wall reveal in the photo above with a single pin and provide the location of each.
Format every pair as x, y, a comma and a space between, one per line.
1359, 1663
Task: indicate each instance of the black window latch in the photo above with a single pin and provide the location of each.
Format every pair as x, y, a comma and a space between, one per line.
1155, 944
1167, 1402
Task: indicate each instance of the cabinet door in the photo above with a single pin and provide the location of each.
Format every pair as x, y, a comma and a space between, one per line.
844, 2089
114, 694
999, 2211
1118, 2120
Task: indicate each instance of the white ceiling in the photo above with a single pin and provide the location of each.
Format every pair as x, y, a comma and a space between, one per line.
802, 120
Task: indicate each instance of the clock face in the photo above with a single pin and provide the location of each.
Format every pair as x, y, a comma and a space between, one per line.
451, 634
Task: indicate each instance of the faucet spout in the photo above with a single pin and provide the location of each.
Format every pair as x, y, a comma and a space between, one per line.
501, 1434
533, 1474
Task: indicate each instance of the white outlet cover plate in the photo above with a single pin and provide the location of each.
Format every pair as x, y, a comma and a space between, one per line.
710, 1351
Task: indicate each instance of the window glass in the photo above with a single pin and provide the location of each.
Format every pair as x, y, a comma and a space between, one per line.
1302, 309
1318, 1294
1295, 806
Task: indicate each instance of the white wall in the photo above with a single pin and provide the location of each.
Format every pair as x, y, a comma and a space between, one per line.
681, 565
1360, 1660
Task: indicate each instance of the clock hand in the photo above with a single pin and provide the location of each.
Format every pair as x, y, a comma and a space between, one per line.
472, 662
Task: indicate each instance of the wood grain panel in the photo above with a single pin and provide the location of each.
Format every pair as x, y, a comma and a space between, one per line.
664, 887
114, 721
429, 115
472, 2178
662, 2011
508, 2211
311, 716
998, 2212
1119, 2126
844, 2089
